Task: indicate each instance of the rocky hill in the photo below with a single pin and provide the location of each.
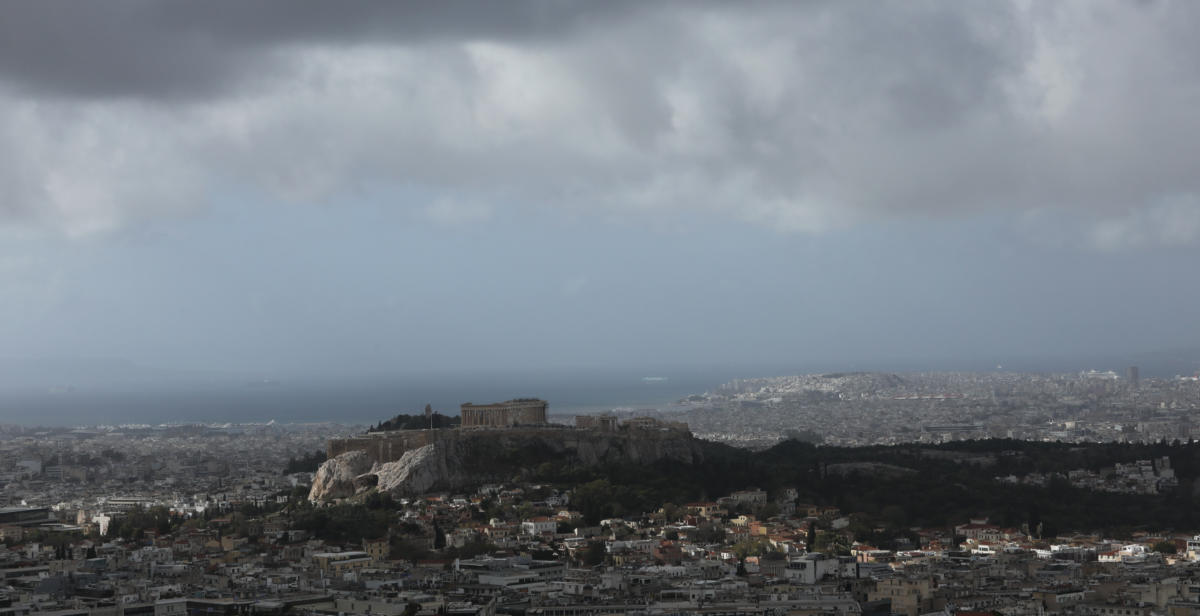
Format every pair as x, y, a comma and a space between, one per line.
414, 462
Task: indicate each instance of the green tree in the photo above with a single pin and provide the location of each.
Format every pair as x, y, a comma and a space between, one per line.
439, 537
594, 554
769, 510
305, 464
895, 516
804, 436
594, 500
710, 533
750, 547
1165, 547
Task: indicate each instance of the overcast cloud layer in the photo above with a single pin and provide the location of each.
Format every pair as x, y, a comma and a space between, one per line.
796, 116
292, 183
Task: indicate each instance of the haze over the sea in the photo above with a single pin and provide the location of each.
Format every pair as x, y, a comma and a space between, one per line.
108, 392
370, 208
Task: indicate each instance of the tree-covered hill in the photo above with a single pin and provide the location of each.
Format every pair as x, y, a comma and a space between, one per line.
417, 422
951, 483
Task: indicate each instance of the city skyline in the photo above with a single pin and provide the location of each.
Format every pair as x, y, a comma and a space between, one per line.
579, 308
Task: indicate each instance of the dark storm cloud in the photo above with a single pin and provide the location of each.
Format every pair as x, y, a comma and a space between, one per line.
177, 50
331, 185
794, 116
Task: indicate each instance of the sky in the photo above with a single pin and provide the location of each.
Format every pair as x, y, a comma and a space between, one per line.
282, 189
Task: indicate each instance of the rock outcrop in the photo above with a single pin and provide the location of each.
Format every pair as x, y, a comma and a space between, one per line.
453, 459
335, 478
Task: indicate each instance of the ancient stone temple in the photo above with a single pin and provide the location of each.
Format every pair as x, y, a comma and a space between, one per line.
519, 412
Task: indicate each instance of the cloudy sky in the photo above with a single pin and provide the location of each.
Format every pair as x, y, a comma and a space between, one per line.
289, 188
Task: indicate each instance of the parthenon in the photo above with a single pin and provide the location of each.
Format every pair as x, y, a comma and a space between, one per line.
518, 412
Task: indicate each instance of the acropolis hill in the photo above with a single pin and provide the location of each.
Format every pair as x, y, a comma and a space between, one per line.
407, 462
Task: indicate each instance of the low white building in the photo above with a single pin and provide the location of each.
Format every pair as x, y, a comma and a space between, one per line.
539, 525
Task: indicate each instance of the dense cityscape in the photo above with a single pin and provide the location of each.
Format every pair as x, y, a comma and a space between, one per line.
867, 408
228, 519
599, 308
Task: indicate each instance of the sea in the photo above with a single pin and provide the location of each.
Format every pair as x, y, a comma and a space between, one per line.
118, 393
347, 401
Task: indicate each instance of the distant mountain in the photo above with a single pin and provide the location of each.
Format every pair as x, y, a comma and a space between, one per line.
874, 380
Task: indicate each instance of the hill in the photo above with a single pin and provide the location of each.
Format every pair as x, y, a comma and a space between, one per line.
412, 462
896, 486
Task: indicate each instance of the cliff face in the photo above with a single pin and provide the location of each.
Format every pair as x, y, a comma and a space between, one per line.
404, 464
335, 478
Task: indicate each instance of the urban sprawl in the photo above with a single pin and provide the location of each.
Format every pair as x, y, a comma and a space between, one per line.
183, 520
